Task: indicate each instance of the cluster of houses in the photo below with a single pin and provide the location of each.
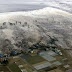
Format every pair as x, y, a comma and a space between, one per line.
38, 47
11, 53
4, 57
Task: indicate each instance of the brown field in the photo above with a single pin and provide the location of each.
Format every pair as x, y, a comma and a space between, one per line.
4, 69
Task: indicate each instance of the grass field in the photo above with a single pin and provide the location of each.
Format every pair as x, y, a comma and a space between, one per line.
14, 68
35, 60
4, 69
21, 62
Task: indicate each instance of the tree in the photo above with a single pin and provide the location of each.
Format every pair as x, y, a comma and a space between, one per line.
5, 62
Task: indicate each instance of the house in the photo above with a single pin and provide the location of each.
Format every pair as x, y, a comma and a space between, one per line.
66, 66
58, 51
1, 55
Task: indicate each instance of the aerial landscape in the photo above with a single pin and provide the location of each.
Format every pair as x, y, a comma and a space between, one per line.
35, 36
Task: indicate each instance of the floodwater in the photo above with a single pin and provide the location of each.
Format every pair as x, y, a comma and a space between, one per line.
20, 7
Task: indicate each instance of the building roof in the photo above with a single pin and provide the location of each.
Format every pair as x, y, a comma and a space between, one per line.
57, 63
1, 55
41, 66
48, 55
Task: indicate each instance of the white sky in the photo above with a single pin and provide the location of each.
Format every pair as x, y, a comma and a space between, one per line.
18, 1
61, 4
24, 1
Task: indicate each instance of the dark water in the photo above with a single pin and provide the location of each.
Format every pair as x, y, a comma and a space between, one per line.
19, 7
